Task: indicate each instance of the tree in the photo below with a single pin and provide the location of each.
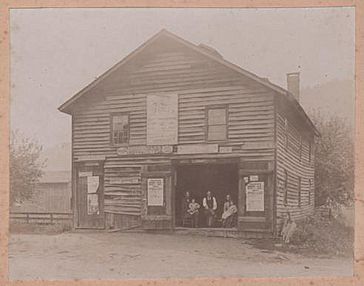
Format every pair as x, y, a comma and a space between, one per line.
25, 167
334, 159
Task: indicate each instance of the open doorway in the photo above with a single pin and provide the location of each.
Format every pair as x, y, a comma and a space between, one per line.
219, 179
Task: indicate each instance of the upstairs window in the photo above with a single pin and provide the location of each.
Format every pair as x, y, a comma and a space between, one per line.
216, 124
120, 129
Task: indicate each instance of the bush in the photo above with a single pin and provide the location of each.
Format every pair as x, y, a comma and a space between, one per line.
321, 235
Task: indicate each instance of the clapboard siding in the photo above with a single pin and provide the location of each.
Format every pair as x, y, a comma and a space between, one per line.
297, 166
199, 82
250, 110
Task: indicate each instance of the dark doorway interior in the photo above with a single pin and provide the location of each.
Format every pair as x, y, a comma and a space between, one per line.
220, 179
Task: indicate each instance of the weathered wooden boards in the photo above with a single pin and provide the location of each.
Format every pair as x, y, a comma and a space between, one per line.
198, 83
299, 166
258, 131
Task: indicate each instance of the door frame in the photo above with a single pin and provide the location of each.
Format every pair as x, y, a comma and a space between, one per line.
201, 161
162, 220
93, 164
267, 217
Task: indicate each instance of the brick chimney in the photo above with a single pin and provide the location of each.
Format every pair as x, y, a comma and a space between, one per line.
293, 84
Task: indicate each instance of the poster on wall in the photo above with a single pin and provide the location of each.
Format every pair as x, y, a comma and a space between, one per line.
254, 178
92, 184
155, 190
92, 204
162, 119
254, 196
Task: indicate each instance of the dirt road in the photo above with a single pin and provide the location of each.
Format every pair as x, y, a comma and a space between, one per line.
146, 256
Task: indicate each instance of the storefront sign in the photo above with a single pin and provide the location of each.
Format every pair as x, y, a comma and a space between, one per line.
124, 180
257, 145
197, 148
155, 190
255, 196
141, 150
225, 149
162, 119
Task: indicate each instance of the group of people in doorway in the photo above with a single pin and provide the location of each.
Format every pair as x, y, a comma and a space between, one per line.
191, 210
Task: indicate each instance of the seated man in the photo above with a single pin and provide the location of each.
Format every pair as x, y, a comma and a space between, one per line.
210, 205
193, 211
230, 210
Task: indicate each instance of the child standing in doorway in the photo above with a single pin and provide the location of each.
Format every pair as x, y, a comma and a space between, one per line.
193, 211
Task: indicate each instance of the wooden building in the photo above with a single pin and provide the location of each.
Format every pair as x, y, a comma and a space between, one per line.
52, 194
173, 117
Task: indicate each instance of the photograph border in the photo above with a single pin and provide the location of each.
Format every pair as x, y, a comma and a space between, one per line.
5, 34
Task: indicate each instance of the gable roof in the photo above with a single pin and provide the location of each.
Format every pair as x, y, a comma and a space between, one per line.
65, 107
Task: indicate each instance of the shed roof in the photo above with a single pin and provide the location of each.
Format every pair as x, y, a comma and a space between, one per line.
202, 49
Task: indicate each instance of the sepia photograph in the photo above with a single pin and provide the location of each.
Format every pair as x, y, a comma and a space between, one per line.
155, 143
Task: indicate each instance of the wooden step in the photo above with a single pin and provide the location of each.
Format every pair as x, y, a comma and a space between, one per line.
217, 232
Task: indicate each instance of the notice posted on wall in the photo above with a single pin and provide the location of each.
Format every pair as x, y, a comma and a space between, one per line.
162, 119
155, 190
254, 196
92, 204
92, 184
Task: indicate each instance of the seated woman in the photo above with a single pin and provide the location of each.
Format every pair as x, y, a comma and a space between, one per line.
193, 211
230, 210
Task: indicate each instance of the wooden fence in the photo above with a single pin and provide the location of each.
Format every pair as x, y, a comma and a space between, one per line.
41, 218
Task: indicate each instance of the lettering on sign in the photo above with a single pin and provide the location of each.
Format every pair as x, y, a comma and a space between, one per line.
257, 145
254, 196
225, 149
141, 150
162, 119
254, 178
155, 190
197, 148
124, 180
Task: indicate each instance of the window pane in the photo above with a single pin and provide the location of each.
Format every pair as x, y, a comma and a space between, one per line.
120, 128
119, 121
217, 116
217, 132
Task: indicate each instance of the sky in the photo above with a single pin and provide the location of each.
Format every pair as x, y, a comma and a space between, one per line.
56, 52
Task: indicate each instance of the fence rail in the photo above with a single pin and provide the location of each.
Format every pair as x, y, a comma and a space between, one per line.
41, 217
